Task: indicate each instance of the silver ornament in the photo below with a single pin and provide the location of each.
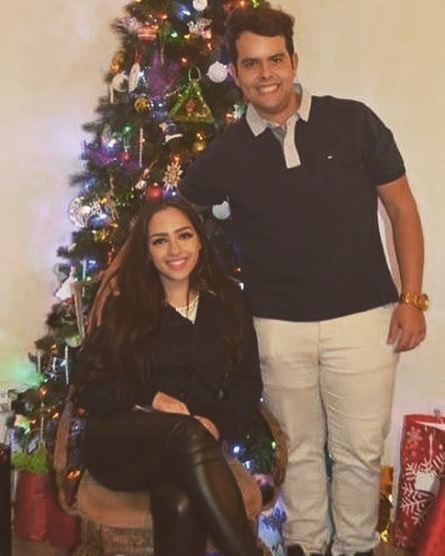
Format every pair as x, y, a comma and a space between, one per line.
222, 211
217, 72
200, 5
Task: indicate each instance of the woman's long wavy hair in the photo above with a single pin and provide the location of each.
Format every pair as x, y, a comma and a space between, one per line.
131, 319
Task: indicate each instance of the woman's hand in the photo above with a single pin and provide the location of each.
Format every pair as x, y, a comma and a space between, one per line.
169, 404
209, 425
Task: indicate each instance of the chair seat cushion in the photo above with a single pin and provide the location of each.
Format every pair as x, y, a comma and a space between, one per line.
132, 509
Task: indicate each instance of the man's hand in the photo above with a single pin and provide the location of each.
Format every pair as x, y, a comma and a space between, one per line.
169, 404
209, 425
407, 328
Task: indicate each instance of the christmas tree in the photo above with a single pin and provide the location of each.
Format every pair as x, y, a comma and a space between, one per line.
169, 94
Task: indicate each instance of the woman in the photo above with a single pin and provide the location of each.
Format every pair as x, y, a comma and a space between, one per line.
172, 370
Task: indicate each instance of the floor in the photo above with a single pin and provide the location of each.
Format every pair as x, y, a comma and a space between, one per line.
23, 548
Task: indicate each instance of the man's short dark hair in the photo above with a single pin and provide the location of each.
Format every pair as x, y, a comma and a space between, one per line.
264, 20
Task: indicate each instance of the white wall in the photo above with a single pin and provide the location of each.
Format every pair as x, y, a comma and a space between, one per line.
54, 55
391, 54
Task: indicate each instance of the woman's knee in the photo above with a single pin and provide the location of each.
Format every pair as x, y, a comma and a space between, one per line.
190, 435
169, 501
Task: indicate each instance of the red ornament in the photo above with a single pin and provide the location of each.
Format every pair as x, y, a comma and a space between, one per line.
153, 192
148, 33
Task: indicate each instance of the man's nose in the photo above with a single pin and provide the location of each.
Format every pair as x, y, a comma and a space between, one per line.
265, 70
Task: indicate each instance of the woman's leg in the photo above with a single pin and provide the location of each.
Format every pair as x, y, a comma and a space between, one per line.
136, 450
178, 529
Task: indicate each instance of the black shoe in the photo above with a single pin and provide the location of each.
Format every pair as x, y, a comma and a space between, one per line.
296, 550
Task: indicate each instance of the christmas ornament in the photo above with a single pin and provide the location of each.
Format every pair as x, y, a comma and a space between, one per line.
106, 136
117, 62
148, 32
235, 114
169, 130
217, 72
162, 76
199, 144
134, 76
65, 291
191, 106
222, 211
153, 192
101, 236
142, 182
142, 104
129, 24
119, 82
78, 212
200, 5
200, 28
172, 174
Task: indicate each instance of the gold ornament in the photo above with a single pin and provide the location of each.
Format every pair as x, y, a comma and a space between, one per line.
101, 236
142, 104
200, 144
117, 62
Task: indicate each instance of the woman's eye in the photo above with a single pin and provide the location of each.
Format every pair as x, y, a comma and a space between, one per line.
158, 241
186, 235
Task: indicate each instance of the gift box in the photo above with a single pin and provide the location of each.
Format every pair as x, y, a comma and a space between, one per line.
422, 462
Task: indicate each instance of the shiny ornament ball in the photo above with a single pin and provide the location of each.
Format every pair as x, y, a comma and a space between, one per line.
73, 341
142, 104
200, 5
199, 146
217, 72
222, 211
117, 62
78, 213
153, 192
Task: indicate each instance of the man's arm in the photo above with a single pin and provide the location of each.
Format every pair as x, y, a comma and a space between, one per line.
408, 326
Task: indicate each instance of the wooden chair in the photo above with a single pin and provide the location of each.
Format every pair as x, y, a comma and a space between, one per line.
119, 523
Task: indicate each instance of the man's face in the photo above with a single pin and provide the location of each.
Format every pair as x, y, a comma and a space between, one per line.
265, 73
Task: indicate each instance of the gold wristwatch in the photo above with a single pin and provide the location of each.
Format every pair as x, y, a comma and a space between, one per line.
417, 300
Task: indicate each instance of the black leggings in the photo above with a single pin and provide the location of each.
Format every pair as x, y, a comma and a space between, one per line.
193, 492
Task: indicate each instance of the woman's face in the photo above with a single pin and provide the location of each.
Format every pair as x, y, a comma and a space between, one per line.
174, 246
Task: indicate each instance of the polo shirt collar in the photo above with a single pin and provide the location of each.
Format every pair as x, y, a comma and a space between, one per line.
258, 124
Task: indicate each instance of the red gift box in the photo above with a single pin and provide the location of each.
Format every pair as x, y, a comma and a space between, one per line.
422, 462
432, 539
37, 513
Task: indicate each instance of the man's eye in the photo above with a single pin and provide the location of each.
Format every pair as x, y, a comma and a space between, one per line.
277, 59
249, 63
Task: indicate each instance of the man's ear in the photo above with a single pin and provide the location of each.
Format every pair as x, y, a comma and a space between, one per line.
234, 73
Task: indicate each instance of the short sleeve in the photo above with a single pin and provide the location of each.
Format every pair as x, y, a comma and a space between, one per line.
383, 160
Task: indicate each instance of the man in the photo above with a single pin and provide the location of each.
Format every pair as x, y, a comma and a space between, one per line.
303, 175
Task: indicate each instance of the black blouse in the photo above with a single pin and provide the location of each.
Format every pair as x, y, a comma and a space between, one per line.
186, 361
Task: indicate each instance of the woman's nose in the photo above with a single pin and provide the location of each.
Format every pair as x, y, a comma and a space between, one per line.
173, 247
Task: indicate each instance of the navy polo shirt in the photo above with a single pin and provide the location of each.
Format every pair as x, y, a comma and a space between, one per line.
309, 238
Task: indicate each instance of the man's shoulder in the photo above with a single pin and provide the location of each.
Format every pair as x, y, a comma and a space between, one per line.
330, 102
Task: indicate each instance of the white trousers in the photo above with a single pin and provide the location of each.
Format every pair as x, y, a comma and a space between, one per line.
331, 382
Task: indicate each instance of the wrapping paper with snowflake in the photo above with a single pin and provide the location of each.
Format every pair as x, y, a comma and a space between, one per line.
422, 462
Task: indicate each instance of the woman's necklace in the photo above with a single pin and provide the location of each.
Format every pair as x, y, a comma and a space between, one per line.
189, 311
